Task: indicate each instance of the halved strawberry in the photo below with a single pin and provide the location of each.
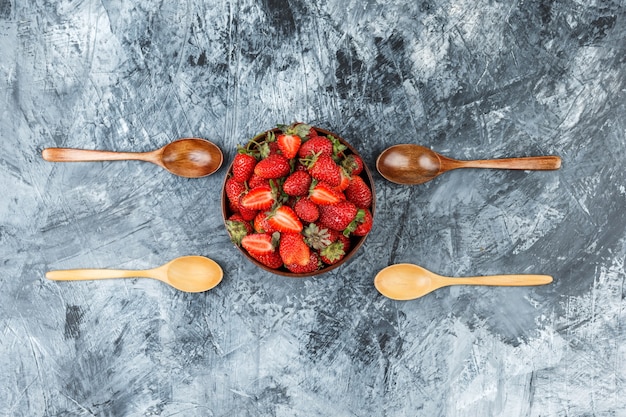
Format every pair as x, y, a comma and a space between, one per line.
323, 194
345, 180
258, 243
246, 213
260, 198
289, 145
293, 249
284, 219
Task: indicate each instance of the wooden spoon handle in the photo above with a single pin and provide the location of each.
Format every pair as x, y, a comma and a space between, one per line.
542, 163
89, 274
502, 280
87, 155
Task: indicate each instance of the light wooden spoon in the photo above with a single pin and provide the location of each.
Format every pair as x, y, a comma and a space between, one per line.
410, 164
188, 157
408, 281
187, 273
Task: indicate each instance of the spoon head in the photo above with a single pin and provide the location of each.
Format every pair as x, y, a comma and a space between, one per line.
408, 164
192, 157
193, 273
405, 282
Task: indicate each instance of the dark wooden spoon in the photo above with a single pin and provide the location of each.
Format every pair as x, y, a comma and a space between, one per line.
188, 157
410, 164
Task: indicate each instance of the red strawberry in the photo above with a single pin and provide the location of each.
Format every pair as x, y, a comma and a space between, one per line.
297, 184
306, 210
289, 145
312, 265
333, 253
359, 193
353, 164
246, 213
271, 260
237, 228
345, 180
274, 166
293, 249
323, 194
364, 223
234, 189
243, 166
258, 243
337, 216
316, 145
256, 181
318, 237
323, 168
261, 225
260, 198
284, 219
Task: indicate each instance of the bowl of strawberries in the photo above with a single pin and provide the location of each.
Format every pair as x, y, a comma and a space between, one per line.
298, 200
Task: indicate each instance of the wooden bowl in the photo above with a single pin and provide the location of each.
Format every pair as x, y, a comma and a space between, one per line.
356, 241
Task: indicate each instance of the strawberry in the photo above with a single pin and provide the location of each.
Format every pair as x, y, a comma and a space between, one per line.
271, 260
338, 147
359, 192
256, 181
306, 210
337, 216
260, 198
284, 219
322, 167
323, 194
353, 164
261, 225
237, 228
258, 243
243, 165
274, 166
333, 253
293, 249
316, 145
247, 213
365, 222
345, 180
234, 189
312, 265
297, 183
318, 237
288, 145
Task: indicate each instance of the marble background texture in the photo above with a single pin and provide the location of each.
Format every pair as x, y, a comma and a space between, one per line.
470, 79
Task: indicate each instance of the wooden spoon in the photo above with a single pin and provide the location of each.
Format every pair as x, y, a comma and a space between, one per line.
187, 273
410, 164
408, 281
188, 157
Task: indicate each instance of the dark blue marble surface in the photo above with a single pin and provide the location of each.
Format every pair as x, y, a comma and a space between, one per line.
470, 79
